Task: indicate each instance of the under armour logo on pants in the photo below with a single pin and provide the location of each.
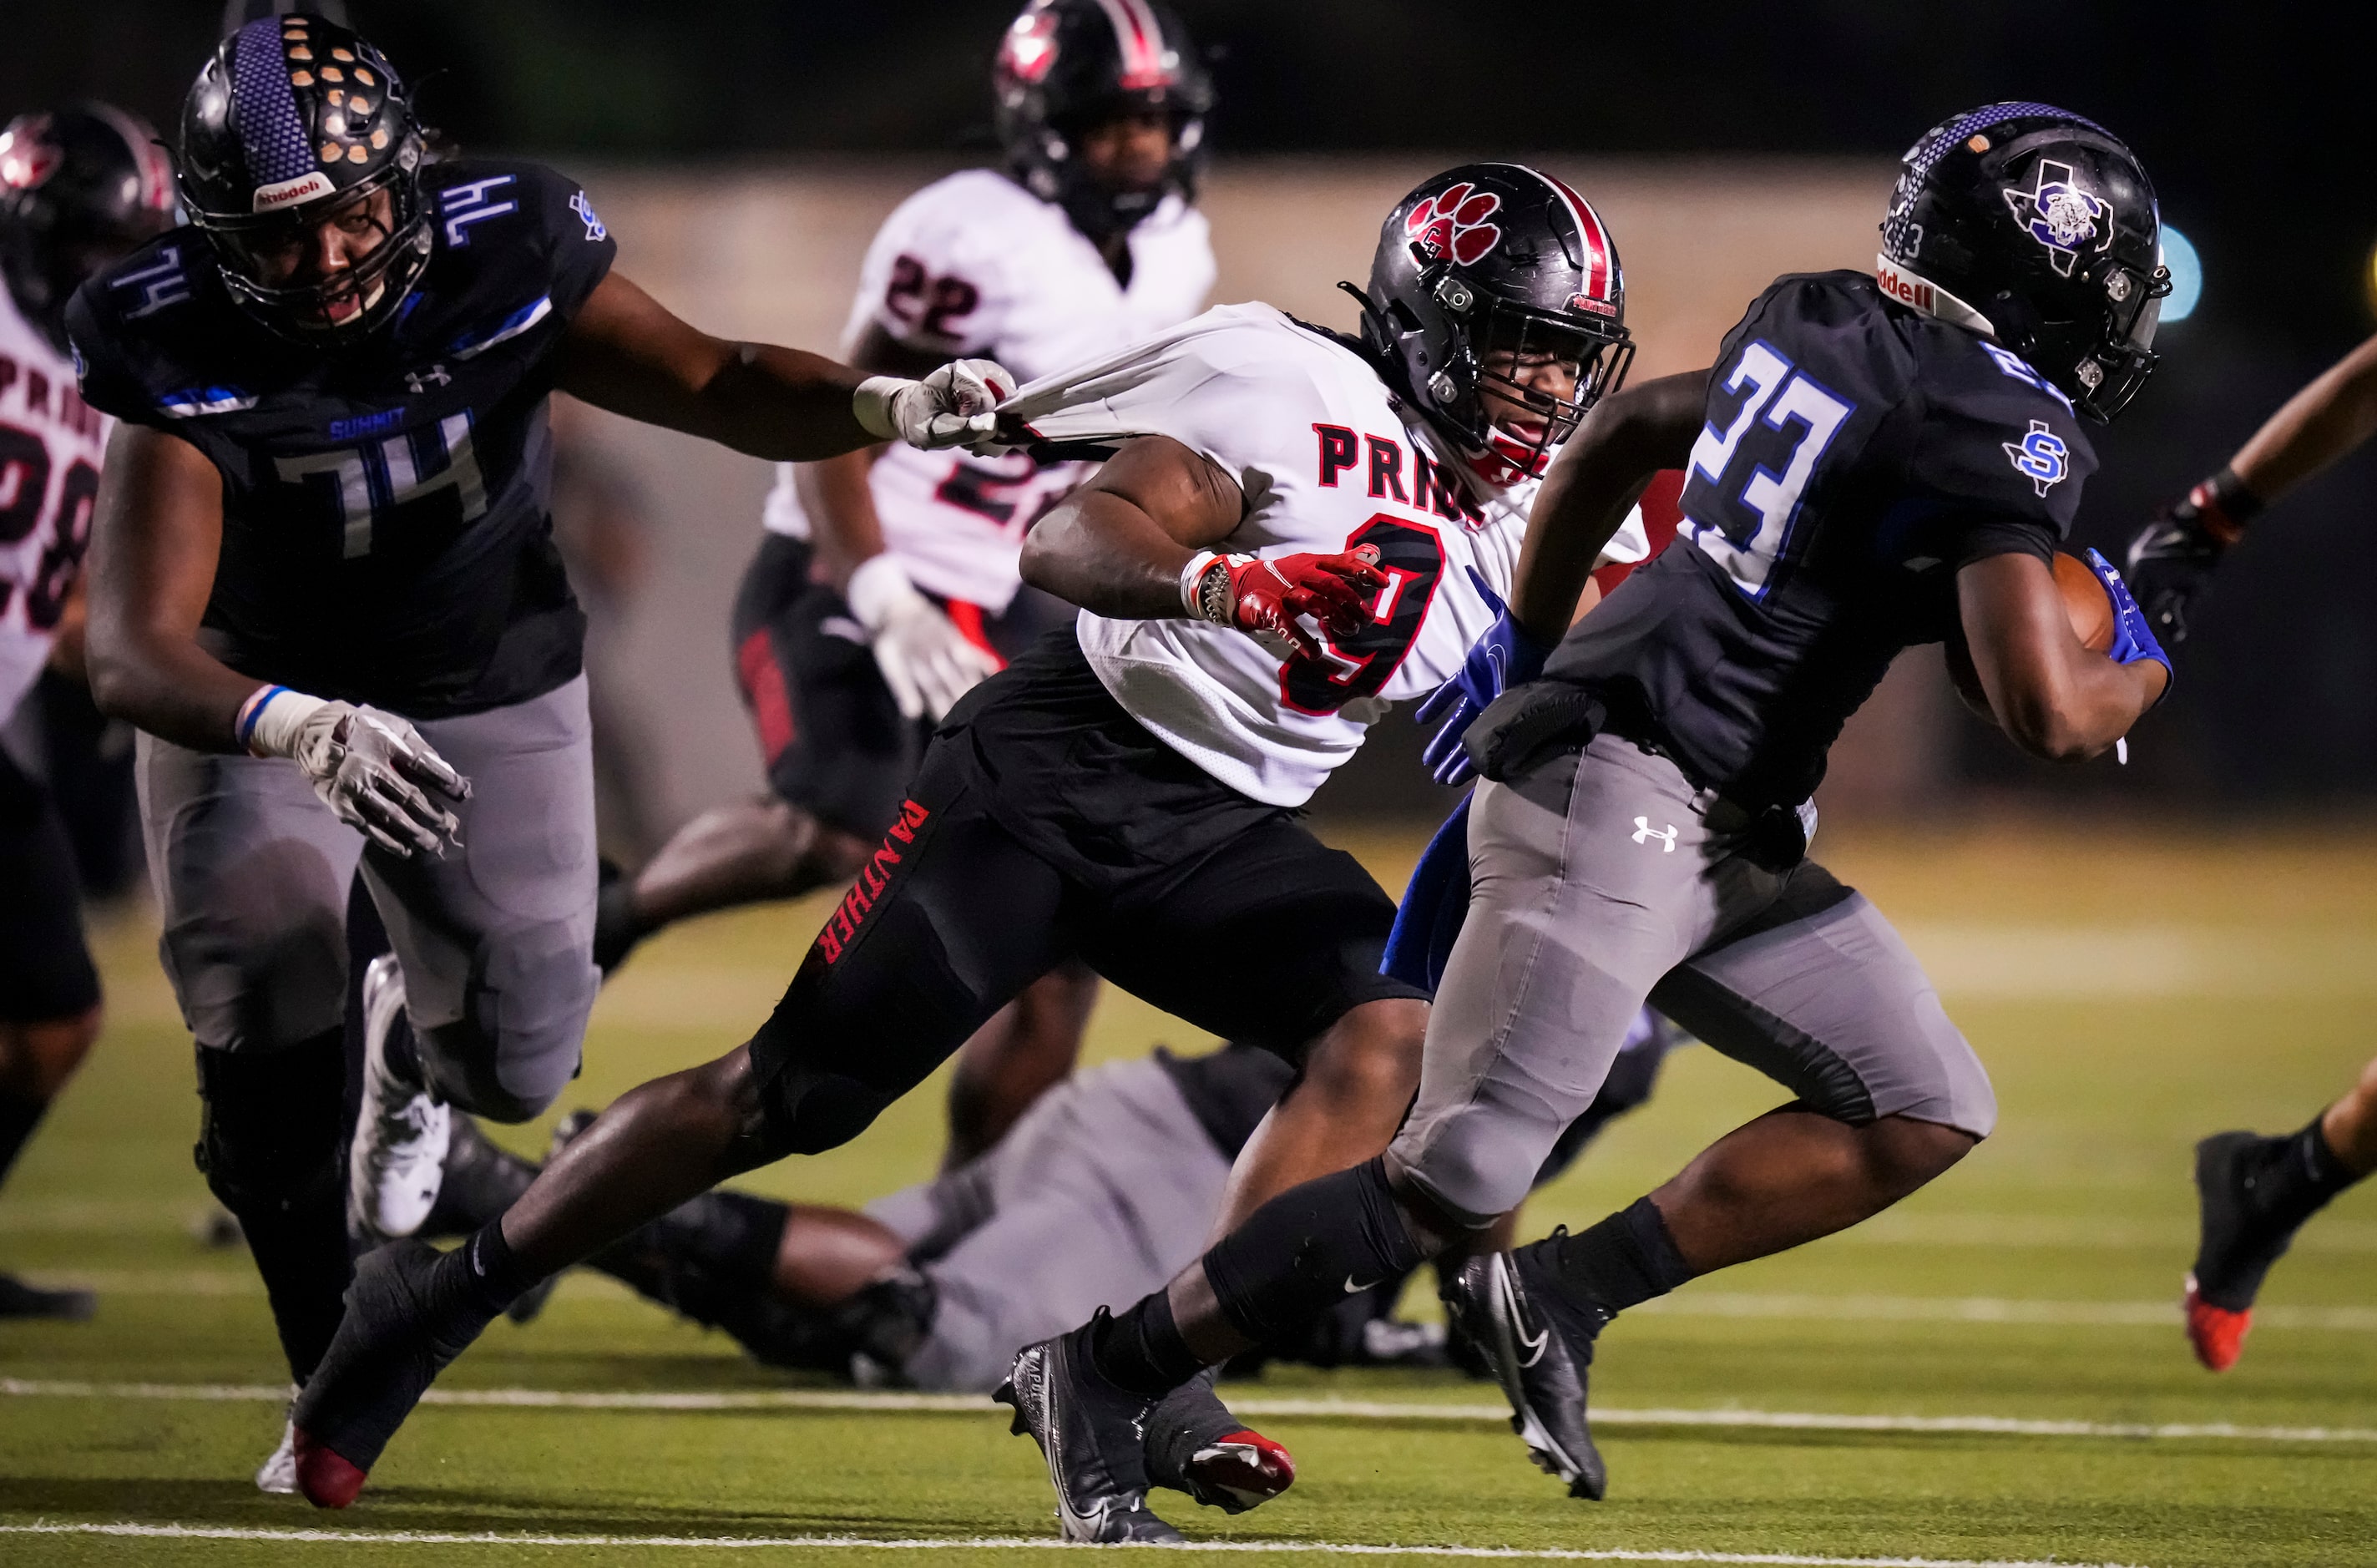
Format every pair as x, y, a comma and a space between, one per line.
1644, 832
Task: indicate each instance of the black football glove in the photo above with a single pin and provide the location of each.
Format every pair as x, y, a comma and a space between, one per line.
2170, 560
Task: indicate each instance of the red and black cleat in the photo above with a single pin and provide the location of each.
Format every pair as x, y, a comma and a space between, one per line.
1240, 1470
2217, 1334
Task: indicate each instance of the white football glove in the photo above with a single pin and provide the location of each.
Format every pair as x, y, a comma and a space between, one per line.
925, 660
369, 767
951, 407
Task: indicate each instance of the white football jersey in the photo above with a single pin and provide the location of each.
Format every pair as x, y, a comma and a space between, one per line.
976, 265
50, 447
1328, 459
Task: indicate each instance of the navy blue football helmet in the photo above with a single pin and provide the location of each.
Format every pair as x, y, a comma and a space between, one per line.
2039, 228
294, 119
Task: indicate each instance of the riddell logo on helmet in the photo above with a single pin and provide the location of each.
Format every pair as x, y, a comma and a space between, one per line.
1453, 223
1904, 287
289, 192
1587, 302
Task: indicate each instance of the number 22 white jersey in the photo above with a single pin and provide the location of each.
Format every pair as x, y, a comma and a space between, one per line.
1327, 460
50, 447
976, 265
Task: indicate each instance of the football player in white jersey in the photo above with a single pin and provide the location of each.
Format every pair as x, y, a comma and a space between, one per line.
885, 584
1294, 530
79, 187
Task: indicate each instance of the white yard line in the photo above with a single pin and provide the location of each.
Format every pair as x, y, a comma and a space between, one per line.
990, 1543
1258, 1405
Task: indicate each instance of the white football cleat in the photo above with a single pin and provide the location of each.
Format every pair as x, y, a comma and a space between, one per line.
397, 1159
278, 1475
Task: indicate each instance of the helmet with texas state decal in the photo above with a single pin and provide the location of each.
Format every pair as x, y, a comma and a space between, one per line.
1498, 308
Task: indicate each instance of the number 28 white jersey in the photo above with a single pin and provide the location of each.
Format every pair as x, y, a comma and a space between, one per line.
976, 265
1327, 461
51, 442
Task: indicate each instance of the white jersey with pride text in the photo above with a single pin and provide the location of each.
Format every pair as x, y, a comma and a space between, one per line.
975, 265
1328, 460
50, 445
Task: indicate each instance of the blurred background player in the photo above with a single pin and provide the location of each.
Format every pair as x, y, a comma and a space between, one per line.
326, 517
885, 584
1872, 462
2254, 1192
79, 188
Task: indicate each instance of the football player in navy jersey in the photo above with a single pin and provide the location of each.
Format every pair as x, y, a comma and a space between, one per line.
1875, 459
325, 590
2254, 1192
79, 186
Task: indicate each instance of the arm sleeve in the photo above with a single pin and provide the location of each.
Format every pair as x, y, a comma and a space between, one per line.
578, 247
928, 281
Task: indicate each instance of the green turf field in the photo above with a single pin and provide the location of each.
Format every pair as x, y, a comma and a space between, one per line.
2129, 996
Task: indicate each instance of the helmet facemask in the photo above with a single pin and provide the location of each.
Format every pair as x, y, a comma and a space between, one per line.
251, 251
1489, 396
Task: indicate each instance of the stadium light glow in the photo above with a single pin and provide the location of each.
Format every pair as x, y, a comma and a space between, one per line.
2186, 276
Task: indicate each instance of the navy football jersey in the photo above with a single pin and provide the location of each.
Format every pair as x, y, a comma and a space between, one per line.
1857, 453
387, 537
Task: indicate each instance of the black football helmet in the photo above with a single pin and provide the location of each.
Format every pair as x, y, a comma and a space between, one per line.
1496, 257
1063, 66
79, 186
294, 118
2039, 228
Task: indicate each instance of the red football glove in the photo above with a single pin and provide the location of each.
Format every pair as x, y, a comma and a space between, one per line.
1259, 594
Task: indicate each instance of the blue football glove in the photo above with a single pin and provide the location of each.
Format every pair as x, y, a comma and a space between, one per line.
2133, 637
1506, 656
1433, 908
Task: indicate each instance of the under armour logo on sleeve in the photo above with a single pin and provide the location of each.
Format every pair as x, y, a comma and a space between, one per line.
1644, 832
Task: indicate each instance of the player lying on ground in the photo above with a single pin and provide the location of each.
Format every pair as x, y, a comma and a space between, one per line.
1872, 462
324, 588
887, 584
1291, 535
2255, 1192
1100, 1193
79, 188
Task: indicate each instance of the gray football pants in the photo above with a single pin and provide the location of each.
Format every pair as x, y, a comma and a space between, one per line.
496, 939
1101, 1191
1598, 883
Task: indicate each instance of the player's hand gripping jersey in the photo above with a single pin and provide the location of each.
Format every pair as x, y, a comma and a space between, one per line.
51, 442
387, 536
1857, 454
1327, 462
975, 265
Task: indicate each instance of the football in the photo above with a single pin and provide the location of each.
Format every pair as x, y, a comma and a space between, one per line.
2084, 600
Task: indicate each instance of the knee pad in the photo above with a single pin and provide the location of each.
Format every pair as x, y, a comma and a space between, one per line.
272, 1124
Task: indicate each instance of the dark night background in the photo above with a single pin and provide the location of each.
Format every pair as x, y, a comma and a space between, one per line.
2249, 119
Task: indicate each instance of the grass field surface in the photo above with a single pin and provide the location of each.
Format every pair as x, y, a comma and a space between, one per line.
1992, 1373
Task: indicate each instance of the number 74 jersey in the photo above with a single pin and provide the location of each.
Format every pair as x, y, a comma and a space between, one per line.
1327, 462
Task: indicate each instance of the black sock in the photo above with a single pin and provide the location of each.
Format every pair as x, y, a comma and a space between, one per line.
496, 1276
1627, 1259
1142, 1351
1311, 1248
403, 1053
2302, 1174
19, 1116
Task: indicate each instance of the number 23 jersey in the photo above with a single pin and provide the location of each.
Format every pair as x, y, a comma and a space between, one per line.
1857, 454
1327, 462
386, 534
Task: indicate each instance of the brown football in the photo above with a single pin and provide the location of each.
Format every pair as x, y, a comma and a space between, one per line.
2084, 600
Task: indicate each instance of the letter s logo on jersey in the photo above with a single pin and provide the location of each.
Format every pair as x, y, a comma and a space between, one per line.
2041, 456
1453, 223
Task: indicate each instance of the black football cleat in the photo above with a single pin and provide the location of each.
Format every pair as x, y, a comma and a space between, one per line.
1194, 1444
2238, 1244
1091, 1433
18, 1300
403, 1325
1538, 1346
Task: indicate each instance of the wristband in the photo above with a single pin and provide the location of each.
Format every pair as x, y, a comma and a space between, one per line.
2224, 505
870, 404
1192, 579
271, 720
